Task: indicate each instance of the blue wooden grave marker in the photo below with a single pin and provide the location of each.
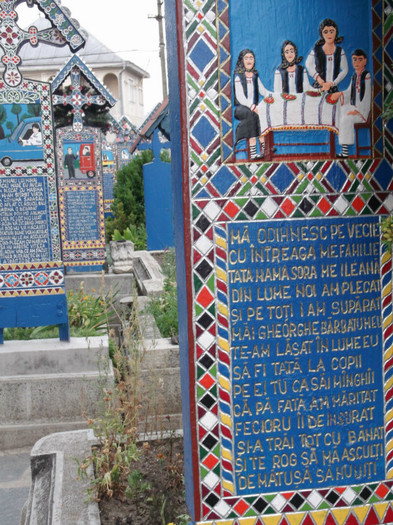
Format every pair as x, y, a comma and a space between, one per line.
157, 185
32, 289
284, 286
80, 172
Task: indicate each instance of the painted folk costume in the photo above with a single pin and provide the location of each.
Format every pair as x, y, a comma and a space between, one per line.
327, 63
247, 90
290, 76
355, 104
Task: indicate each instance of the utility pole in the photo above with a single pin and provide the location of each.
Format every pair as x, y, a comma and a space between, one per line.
159, 17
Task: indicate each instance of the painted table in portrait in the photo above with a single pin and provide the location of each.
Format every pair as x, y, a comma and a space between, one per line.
32, 289
287, 101
282, 175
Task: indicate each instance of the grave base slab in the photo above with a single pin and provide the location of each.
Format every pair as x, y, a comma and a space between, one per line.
48, 386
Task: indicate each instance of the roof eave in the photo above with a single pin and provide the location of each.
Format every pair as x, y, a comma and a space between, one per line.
102, 65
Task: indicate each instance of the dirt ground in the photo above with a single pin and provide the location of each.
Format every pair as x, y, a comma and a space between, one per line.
157, 491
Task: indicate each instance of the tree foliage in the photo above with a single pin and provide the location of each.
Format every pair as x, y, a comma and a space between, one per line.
129, 200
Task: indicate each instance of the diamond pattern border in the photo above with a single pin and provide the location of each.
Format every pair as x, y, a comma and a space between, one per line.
31, 279
29, 92
241, 192
84, 252
214, 406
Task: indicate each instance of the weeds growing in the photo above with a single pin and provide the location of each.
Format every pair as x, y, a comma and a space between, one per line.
164, 307
146, 477
89, 315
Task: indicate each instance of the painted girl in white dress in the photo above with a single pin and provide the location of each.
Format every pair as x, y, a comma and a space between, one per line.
327, 62
290, 76
247, 89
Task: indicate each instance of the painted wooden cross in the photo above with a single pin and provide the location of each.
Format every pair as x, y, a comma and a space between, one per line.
12, 37
77, 99
32, 287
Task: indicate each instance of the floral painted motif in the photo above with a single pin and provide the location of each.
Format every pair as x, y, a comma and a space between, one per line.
12, 37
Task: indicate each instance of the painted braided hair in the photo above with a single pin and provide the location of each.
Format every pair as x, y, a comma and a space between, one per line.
328, 22
284, 63
239, 68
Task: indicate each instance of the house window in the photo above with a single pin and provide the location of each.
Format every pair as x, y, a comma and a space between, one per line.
132, 91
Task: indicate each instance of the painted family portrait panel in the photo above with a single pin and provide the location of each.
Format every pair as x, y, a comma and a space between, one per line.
301, 83
288, 312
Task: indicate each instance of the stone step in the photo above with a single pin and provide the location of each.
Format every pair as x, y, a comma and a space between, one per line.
148, 274
96, 283
159, 372
48, 385
50, 397
25, 434
50, 356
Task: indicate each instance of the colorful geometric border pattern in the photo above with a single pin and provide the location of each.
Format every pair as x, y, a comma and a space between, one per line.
378, 513
214, 405
85, 252
68, 28
387, 318
31, 91
33, 279
214, 409
222, 193
209, 111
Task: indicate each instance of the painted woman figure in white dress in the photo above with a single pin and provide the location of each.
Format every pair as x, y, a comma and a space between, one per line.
247, 89
327, 62
290, 76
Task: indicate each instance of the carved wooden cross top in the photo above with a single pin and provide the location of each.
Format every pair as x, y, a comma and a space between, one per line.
77, 99
13, 37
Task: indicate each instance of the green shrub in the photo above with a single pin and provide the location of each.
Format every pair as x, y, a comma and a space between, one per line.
387, 232
116, 428
88, 315
129, 200
135, 234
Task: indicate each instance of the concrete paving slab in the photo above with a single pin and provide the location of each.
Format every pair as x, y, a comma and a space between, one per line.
15, 480
56, 496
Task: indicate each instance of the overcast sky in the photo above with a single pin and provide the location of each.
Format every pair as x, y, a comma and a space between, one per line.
124, 27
